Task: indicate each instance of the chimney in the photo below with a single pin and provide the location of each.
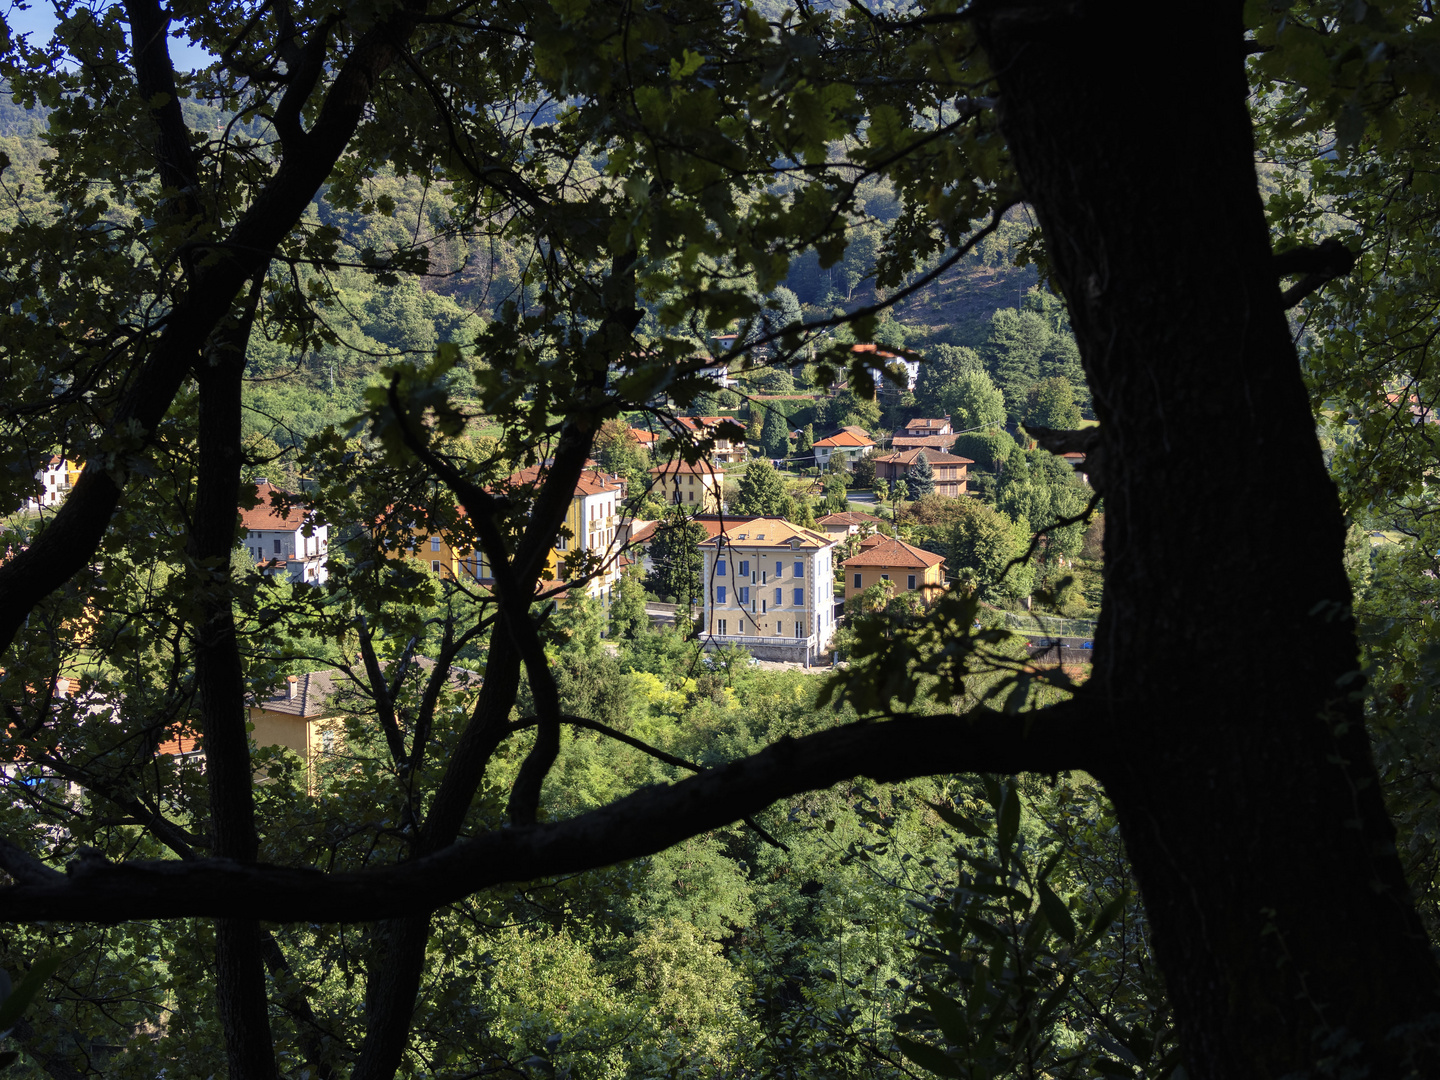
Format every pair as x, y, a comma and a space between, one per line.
290, 687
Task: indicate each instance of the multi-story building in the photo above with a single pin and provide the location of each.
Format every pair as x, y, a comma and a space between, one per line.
289, 542
590, 541
886, 558
848, 523
844, 448
769, 586
56, 477
922, 427
726, 450
951, 473
699, 487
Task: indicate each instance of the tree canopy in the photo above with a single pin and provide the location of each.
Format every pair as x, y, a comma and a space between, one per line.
649, 174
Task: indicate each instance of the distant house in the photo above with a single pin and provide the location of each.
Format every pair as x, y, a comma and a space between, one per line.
289, 542
884, 358
845, 448
698, 487
727, 450
922, 427
849, 523
304, 713
951, 473
56, 477
885, 558
769, 586
645, 437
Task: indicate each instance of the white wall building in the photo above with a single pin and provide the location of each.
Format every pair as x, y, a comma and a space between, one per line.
278, 542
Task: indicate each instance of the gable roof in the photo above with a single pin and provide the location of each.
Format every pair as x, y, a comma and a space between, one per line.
848, 518
888, 551
846, 439
711, 523
680, 465
922, 424
939, 442
907, 457
264, 516
593, 481
767, 532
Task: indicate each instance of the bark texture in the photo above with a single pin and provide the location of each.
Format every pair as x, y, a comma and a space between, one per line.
1242, 776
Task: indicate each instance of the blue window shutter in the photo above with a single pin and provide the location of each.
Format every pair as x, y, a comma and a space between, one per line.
799, 569
720, 568
720, 594
779, 596
799, 597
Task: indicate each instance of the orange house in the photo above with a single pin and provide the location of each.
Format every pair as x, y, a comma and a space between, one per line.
885, 558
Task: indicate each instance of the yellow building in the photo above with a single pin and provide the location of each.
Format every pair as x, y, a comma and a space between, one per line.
769, 586
699, 487
590, 542
884, 558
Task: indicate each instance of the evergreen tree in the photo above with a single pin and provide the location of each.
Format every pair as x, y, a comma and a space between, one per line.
775, 436
762, 492
972, 402
627, 605
1051, 403
1012, 353
807, 440
942, 366
920, 480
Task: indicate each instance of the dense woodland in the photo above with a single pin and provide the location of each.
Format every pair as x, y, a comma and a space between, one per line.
387, 256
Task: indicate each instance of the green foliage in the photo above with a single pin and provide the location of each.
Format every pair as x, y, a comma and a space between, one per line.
1051, 403
775, 436
972, 402
627, 604
920, 479
678, 564
762, 492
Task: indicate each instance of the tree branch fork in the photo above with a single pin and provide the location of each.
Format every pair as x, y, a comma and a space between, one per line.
94, 890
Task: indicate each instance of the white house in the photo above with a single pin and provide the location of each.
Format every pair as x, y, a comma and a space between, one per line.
290, 543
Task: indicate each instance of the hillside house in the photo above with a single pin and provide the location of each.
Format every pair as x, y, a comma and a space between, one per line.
844, 449
951, 473
57, 475
769, 586
922, 427
289, 541
886, 558
849, 523
699, 487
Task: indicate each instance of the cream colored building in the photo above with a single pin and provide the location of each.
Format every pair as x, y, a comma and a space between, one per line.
885, 558
769, 586
699, 488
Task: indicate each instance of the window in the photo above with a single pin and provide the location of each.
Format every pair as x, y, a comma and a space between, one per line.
720, 568
434, 543
692, 496
779, 596
799, 569
744, 567
435, 565
722, 628
763, 577
799, 597
884, 577
857, 581
910, 582
762, 607
277, 545
719, 594
561, 542
744, 594
779, 568
799, 629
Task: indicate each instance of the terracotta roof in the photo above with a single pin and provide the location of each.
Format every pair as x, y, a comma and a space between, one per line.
889, 551
767, 532
183, 744
592, 481
871, 541
701, 423
920, 422
644, 437
847, 518
711, 523
680, 465
846, 438
265, 516
907, 457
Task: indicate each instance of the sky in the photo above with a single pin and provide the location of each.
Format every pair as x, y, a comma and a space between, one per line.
39, 20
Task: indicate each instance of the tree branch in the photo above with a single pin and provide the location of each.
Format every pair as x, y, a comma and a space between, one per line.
1062, 737
1329, 260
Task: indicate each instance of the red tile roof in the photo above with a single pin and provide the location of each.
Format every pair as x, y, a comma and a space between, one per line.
265, 516
907, 457
845, 438
888, 551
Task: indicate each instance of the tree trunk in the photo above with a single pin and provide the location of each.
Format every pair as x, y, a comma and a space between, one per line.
1236, 756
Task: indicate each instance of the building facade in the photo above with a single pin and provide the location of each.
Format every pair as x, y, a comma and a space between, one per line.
886, 558
844, 448
699, 487
769, 587
56, 477
951, 473
289, 543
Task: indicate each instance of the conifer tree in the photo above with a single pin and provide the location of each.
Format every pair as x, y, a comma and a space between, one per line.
920, 480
